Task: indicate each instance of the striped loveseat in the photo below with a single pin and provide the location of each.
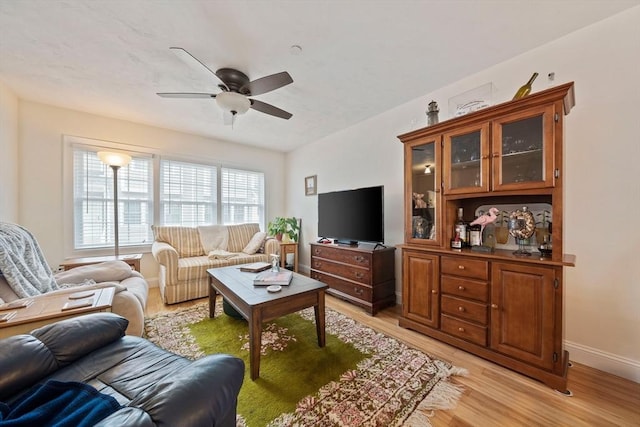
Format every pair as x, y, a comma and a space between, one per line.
186, 253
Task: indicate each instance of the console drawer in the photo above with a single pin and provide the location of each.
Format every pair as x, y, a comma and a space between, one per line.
465, 288
342, 255
458, 266
464, 309
354, 290
465, 330
362, 275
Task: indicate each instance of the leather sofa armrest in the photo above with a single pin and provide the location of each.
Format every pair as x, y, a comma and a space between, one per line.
207, 390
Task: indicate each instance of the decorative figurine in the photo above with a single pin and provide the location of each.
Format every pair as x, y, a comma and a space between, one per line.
432, 113
275, 263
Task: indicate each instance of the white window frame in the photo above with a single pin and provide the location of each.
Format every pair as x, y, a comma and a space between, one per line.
155, 155
71, 145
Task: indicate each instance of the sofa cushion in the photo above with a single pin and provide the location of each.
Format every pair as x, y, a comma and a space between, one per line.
255, 243
194, 268
186, 240
213, 237
240, 235
70, 339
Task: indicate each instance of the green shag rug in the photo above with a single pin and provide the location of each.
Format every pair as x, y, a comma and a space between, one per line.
360, 378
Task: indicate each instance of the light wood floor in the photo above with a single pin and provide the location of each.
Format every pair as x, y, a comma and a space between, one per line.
495, 396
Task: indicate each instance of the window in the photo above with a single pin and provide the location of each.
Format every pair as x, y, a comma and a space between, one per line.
93, 200
188, 194
242, 196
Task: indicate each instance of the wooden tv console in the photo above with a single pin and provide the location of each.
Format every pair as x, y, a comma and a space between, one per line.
359, 274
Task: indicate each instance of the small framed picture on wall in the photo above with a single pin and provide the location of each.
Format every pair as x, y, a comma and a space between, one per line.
310, 185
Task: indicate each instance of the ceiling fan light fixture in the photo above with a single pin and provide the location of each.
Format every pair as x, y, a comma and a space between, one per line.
233, 102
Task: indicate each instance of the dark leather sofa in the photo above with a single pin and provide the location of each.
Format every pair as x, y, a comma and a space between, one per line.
155, 387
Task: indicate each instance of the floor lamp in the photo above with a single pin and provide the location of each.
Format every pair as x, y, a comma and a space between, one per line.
115, 161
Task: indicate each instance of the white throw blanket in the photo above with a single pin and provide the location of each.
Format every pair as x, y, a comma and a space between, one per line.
22, 262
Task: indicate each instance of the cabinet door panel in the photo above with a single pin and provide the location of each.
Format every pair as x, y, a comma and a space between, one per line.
523, 312
422, 192
522, 150
420, 289
466, 160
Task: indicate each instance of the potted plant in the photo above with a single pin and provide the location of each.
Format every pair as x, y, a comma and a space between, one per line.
282, 225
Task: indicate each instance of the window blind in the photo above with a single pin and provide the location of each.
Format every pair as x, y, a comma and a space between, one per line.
93, 200
242, 196
188, 193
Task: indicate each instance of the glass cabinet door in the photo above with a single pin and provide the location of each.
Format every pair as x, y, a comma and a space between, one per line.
523, 150
422, 198
466, 160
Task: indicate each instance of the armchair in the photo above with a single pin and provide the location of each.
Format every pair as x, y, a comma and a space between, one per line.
25, 274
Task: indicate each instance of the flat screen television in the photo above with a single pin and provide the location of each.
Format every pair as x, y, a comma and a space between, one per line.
352, 216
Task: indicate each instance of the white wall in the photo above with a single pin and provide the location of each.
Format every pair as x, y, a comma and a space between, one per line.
41, 176
602, 193
8, 155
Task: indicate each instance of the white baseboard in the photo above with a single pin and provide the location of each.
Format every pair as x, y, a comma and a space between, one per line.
607, 362
152, 282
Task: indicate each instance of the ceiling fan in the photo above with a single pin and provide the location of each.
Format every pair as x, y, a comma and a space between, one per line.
236, 89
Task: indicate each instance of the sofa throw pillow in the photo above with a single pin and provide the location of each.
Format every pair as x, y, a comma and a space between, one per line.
185, 240
213, 237
255, 243
239, 235
221, 254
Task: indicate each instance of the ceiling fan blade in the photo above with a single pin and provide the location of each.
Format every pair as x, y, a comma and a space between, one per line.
185, 95
263, 107
193, 62
268, 83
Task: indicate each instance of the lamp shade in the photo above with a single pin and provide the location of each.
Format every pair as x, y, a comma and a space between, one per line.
114, 159
234, 102
427, 169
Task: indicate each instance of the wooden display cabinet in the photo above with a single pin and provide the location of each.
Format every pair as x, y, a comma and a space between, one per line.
495, 304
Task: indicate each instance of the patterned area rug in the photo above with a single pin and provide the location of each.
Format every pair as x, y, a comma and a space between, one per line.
394, 385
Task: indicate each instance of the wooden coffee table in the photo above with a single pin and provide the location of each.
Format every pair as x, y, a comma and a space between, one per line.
49, 308
257, 305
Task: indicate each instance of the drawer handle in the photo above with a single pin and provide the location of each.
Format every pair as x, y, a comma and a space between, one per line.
494, 306
460, 329
358, 291
317, 251
460, 308
358, 258
433, 291
461, 288
461, 267
359, 275
318, 264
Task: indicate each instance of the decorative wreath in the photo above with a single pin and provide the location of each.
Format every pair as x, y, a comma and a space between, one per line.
522, 225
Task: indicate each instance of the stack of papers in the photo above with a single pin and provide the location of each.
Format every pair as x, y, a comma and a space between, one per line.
255, 267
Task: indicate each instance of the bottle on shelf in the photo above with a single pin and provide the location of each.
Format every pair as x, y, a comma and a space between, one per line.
461, 229
456, 243
475, 234
525, 89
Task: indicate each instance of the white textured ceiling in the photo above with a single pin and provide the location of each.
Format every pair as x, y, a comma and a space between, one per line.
359, 58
